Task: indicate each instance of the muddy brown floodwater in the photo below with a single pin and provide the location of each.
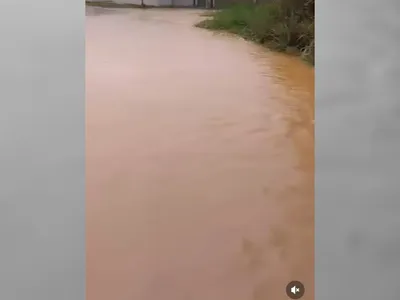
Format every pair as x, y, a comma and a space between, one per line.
199, 162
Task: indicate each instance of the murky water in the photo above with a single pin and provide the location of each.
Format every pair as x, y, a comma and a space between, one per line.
199, 162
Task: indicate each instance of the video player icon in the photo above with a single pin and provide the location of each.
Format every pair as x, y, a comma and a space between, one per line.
295, 290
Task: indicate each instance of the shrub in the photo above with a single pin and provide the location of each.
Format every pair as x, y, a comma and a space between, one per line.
279, 24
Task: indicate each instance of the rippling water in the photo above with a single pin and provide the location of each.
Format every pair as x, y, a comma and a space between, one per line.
200, 162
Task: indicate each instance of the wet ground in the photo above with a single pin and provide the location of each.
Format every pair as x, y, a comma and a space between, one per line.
199, 162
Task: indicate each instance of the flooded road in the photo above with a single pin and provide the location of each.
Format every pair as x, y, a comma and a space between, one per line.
199, 162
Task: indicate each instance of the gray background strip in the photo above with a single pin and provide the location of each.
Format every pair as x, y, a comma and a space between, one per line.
357, 149
42, 132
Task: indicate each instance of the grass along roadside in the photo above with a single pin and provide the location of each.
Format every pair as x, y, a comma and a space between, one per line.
276, 25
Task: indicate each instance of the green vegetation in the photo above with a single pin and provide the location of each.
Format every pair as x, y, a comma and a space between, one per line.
282, 25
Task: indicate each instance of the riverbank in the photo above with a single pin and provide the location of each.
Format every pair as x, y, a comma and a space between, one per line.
275, 25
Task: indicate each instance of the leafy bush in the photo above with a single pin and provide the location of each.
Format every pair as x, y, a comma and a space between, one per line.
279, 24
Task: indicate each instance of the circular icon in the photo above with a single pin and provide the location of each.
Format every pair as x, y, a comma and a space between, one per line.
295, 290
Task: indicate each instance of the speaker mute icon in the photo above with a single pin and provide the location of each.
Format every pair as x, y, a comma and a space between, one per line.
295, 290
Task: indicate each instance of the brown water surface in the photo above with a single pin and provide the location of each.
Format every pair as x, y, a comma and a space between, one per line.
199, 162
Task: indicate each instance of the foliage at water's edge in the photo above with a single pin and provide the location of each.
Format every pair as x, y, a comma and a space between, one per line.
282, 25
